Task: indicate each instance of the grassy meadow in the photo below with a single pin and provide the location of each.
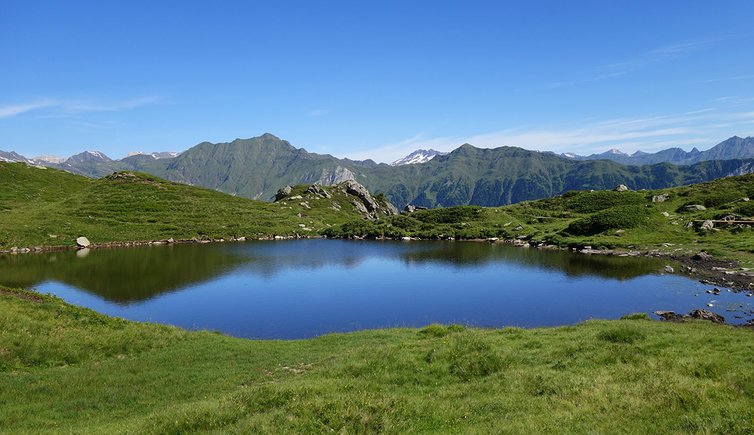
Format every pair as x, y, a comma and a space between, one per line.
69, 369
48, 207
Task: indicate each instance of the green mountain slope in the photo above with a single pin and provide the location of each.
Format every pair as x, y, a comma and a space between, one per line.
257, 167
43, 206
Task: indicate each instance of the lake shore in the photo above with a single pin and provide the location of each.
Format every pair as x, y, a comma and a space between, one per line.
701, 266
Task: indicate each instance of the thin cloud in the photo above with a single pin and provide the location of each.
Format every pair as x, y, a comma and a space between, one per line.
17, 109
655, 56
62, 108
726, 79
699, 128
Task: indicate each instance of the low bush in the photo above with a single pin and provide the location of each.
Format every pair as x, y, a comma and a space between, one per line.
618, 217
591, 202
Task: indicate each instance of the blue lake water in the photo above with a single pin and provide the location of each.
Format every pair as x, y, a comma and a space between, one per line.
305, 288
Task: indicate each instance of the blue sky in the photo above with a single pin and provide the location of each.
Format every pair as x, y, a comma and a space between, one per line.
374, 79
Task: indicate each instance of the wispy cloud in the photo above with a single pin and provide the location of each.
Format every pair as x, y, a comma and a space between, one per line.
62, 108
17, 109
317, 113
727, 79
701, 128
655, 56
110, 106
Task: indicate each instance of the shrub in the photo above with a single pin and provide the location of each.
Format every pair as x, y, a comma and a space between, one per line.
618, 217
591, 202
746, 209
449, 215
636, 316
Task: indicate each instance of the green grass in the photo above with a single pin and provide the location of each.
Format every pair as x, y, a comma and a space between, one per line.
47, 207
68, 369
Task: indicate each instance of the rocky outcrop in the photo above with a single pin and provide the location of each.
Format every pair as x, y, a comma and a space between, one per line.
283, 192
366, 203
316, 189
707, 315
695, 314
370, 207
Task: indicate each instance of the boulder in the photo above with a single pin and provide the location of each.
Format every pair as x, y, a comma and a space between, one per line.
660, 198
318, 190
409, 208
695, 207
707, 315
702, 256
283, 192
707, 225
366, 204
621, 188
667, 315
83, 242
669, 269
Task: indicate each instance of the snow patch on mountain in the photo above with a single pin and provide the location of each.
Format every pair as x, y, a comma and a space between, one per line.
418, 156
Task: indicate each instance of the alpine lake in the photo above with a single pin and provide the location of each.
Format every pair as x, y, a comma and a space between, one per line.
305, 288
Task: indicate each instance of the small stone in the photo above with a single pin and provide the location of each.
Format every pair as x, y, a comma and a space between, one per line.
83, 242
695, 207
707, 225
669, 269
660, 198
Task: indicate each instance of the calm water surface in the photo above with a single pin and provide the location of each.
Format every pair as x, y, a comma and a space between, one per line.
305, 288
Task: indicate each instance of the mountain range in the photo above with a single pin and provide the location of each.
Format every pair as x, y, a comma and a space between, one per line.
729, 149
258, 167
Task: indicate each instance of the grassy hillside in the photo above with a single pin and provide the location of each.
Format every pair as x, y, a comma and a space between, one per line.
600, 219
68, 369
50, 207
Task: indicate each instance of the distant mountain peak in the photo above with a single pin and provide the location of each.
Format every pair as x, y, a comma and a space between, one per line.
418, 156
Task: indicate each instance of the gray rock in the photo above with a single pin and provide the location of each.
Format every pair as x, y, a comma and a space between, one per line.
695, 207
366, 204
707, 225
318, 190
666, 214
667, 315
660, 198
669, 269
707, 315
409, 208
621, 188
83, 242
283, 192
